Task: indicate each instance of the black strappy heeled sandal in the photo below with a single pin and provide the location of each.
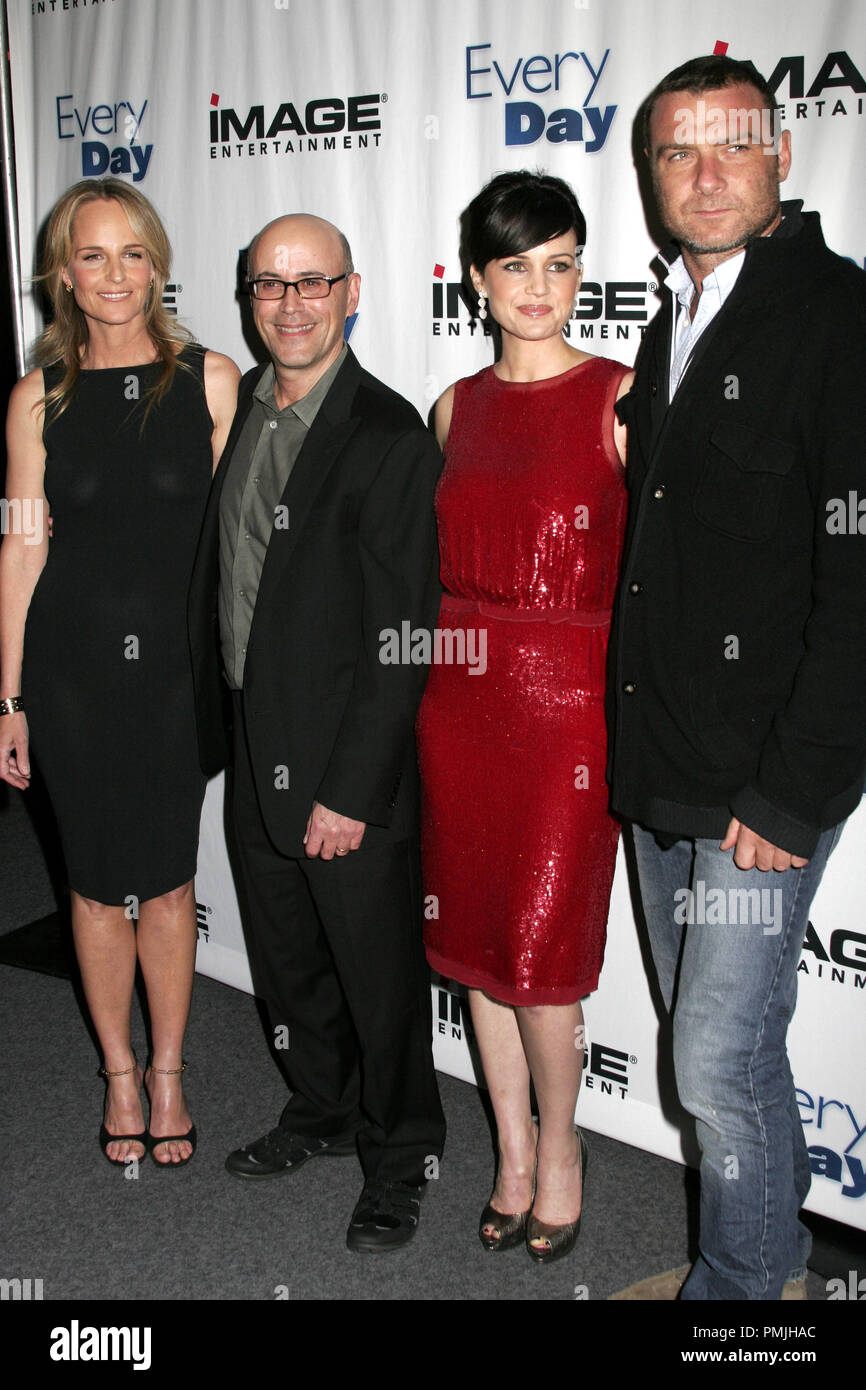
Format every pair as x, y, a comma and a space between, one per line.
153, 1141
105, 1138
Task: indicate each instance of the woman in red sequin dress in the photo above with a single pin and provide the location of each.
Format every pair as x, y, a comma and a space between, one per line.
519, 847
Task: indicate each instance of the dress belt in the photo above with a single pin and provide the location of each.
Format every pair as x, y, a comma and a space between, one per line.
500, 613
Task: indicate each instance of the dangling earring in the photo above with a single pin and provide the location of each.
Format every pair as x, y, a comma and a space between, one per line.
578, 266
482, 305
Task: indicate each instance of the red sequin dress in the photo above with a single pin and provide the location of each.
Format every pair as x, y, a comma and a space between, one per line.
518, 845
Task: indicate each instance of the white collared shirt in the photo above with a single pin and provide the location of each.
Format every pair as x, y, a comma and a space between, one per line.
716, 288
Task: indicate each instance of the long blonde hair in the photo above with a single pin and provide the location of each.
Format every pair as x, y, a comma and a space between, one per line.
65, 338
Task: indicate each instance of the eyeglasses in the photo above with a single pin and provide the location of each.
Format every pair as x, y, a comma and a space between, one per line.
311, 287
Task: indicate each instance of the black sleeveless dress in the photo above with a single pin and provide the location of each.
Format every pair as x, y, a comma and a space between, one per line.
107, 684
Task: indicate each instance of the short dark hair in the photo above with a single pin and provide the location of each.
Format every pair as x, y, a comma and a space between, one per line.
513, 213
707, 74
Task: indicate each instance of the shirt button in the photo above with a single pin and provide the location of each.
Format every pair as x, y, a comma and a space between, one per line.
240, 593
659, 493
628, 688
255, 480
635, 588
654, 389
246, 535
273, 424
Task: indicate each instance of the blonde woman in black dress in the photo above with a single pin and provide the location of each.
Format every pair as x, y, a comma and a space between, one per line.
118, 436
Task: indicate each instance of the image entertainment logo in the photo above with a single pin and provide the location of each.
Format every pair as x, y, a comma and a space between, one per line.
169, 297
606, 1069
64, 7
452, 1016
841, 961
609, 308
202, 912
355, 120
837, 72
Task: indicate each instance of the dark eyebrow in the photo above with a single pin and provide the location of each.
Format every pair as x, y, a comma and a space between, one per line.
279, 275
553, 256
745, 139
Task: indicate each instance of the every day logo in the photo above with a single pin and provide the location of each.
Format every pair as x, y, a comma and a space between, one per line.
832, 1155
119, 122
558, 78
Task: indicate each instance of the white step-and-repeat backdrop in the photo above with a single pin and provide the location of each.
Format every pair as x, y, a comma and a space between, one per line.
386, 116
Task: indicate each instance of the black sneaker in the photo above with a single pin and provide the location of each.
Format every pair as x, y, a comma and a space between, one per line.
386, 1216
281, 1152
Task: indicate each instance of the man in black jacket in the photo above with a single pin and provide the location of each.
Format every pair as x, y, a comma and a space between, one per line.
320, 531
737, 688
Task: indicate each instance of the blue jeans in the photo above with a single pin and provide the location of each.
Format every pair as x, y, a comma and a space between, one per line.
733, 998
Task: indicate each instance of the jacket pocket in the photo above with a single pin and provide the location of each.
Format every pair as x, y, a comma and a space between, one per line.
740, 489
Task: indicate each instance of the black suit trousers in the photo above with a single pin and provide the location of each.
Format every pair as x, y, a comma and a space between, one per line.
336, 954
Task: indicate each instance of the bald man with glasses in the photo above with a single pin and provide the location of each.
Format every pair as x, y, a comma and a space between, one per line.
320, 535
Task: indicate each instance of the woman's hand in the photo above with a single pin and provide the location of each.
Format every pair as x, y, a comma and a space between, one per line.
15, 750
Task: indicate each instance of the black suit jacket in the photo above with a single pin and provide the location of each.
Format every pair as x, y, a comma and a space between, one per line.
326, 720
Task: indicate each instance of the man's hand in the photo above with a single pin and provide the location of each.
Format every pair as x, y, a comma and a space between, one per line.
329, 833
753, 852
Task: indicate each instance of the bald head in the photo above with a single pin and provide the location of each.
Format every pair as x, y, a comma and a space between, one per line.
304, 334
285, 232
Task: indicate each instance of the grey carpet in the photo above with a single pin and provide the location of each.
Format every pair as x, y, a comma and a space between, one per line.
198, 1234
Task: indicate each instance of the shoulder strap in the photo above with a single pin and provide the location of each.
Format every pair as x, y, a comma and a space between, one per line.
193, 355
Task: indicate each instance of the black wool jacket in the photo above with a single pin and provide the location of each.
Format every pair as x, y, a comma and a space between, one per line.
737, 660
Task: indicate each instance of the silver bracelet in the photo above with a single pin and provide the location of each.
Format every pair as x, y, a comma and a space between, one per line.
12, 705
